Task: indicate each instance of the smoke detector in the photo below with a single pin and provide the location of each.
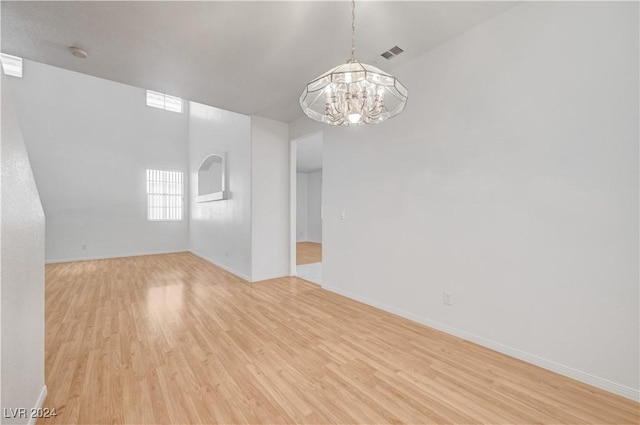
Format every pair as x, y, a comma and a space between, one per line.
78, 52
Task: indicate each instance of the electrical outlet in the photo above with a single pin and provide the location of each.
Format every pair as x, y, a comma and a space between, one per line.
447, 298
84, 246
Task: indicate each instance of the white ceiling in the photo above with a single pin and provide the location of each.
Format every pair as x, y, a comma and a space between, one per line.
309, 153
247, 57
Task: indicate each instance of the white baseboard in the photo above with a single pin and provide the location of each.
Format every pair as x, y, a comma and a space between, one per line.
107, 257
204, 257
222, 266
269, 277
561, 369
39, 404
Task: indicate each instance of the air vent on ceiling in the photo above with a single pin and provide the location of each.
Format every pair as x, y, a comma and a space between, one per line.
392, 52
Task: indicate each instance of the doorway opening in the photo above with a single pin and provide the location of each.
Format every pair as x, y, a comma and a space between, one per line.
306, 207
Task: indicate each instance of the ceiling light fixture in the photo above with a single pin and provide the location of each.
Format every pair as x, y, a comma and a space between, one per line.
353, 93
78, 52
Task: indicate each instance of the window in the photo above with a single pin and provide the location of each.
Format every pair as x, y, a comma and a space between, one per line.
12, 65
164, 101
164, 195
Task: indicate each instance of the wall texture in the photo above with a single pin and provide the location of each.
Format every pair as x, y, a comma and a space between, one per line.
220, 231
21, 273
511, 181
90, 141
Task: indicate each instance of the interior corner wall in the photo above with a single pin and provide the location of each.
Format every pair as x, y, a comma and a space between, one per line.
21, 274
510, 181
90, 141
269, 199
302, 205
314, 208
220, 231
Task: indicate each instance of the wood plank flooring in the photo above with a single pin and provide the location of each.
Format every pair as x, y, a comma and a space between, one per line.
308, 252
173, 339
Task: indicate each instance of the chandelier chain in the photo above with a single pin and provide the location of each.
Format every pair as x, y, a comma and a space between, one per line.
353, 30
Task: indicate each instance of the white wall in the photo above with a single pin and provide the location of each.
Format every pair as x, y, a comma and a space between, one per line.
22, 273
220, 231
90, 141
302, 205
308, 207
314, 221
269, 199
511, 180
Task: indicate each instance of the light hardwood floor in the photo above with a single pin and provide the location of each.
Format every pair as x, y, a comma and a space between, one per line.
308, 252
174, 339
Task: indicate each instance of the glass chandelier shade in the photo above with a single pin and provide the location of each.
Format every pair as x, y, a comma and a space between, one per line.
353, 93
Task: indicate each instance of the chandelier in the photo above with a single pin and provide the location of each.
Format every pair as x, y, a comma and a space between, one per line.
353, 93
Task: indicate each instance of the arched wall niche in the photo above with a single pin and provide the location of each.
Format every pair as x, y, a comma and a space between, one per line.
211, 179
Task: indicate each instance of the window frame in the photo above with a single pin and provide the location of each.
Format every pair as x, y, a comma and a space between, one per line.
165, 195
153, 101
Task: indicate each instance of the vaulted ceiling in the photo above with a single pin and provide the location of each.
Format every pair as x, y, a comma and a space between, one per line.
247, 57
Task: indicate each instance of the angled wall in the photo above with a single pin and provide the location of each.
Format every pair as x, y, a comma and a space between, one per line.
21, 275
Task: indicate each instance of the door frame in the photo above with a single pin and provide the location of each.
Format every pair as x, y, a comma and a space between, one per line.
293, 195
